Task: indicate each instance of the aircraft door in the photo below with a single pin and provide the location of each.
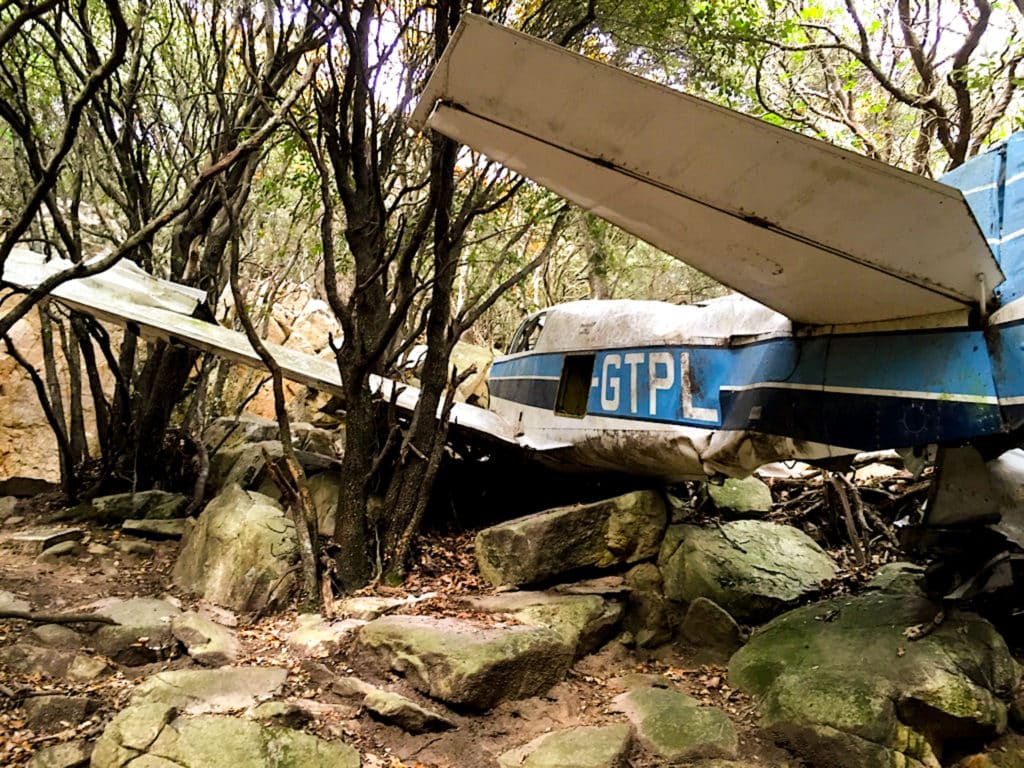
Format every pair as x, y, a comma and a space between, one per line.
574, 385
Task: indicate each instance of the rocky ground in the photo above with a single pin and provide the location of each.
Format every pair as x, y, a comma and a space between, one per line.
35, 714
705, 629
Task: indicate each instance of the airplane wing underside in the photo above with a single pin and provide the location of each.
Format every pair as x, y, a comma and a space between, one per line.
820, 234
159, 309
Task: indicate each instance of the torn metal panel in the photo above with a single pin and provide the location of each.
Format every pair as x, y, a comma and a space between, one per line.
822, 235
160, 309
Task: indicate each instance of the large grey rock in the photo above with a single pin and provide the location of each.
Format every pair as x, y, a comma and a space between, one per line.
201, 691
675, 727
842, 685
239, 553
58, 552
54, 636
142, 633
752, 569
536, 548
155, 736
38, 541
584, 622
151, 505
206, 641
710, 628
156, 529
323, 494
906, 578
243, 465
649, 615
28, 659
467, 663
134, 547
246, 464
749, 497
318, 637
11, 602
86, 669
405, 713
69, 754
588, 747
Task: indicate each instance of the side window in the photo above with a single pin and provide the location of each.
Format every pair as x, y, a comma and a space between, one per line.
526, 336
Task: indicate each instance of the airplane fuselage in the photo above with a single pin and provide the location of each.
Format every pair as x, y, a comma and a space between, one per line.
738, 394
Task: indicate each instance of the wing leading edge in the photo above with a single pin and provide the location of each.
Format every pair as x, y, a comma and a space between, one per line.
817, 233
160, 309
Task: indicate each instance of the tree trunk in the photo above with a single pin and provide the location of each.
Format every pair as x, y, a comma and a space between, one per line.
597, 256
354, 568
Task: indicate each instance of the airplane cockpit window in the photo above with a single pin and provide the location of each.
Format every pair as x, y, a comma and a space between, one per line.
527, 334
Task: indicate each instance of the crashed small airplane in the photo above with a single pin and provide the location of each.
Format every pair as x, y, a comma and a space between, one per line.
875, 309
879, 309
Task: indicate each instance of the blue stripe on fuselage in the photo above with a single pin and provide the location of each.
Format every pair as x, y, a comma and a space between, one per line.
863, 391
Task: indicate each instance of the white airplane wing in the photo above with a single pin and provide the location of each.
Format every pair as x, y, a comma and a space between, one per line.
159, 309
822, 235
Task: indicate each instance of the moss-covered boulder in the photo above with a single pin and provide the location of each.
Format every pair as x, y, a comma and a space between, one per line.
591, 747
746, 497
466, 663
148, 505
156, 735
650, 617
673, 726
240, 552
841, 678
711, 630
537, 548
584, 622
751, 568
